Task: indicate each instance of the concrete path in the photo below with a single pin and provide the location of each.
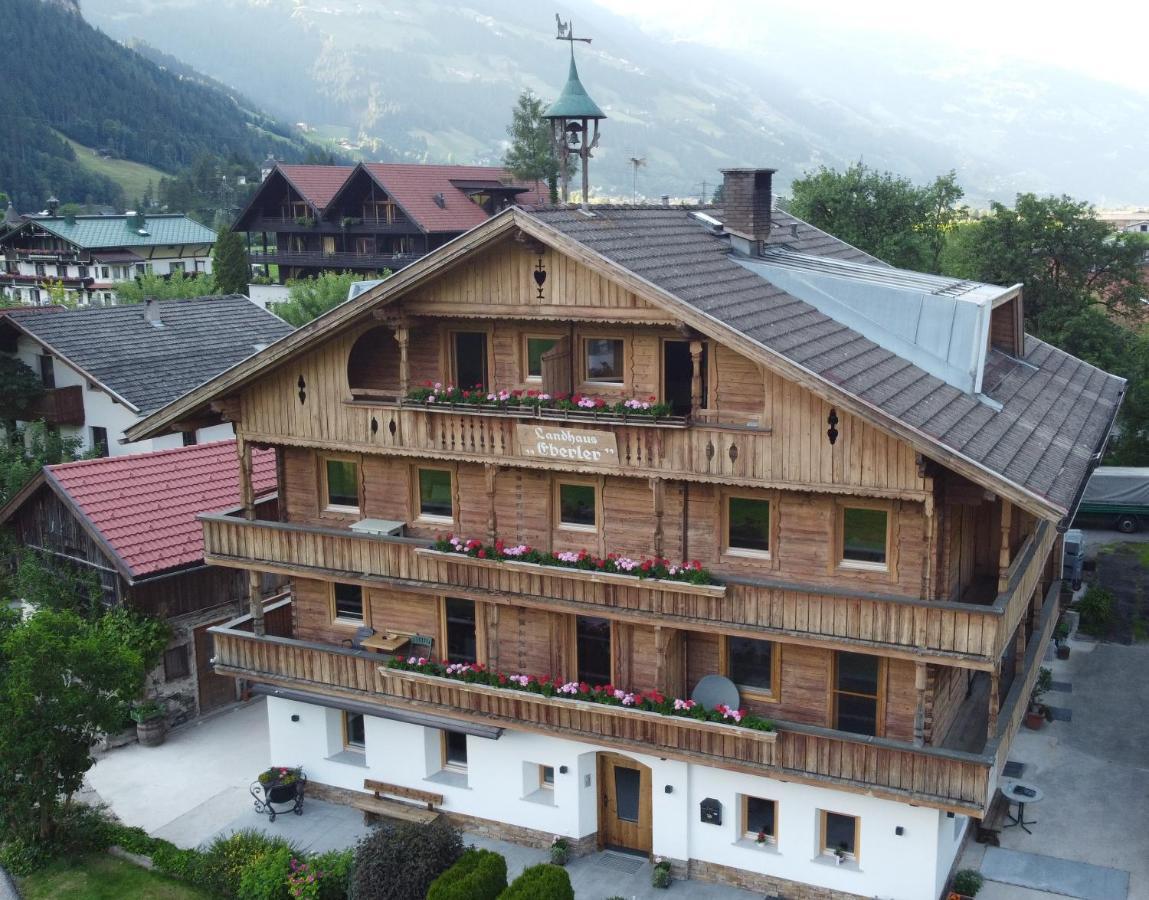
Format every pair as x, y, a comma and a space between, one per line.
1059, 876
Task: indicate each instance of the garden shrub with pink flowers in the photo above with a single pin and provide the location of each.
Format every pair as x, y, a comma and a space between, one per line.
606, 694
435, 394
616, 564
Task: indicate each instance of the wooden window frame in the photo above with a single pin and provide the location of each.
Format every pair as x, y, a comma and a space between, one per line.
544, 785
572, 638
744, 804
448, 765
183, 668
347, 745
339, 509
880, 711
448, 351
524, 341
823, 850
417, 514
556, 499
838, 562
336, 619
774, 695
770, 497
584, 377
480, 628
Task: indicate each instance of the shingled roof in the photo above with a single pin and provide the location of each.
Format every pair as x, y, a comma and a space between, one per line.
148, 366
316, 184
1055, 410
143, 506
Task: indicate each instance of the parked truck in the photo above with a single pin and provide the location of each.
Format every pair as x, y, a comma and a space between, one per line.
1116, 497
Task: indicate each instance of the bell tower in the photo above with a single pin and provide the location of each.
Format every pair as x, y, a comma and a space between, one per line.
571, 117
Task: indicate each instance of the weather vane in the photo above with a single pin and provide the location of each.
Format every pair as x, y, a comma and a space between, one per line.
566, 32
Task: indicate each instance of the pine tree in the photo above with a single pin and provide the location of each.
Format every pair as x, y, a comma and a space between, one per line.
231, 269
531, 156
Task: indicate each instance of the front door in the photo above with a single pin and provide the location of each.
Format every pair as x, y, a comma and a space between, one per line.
470, 352
214, 690
678, 376
624, 804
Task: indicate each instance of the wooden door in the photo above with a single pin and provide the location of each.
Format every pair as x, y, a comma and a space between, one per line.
624, 804
214, 690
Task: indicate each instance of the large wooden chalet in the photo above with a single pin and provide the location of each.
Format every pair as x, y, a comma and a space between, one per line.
306, 219
874, 465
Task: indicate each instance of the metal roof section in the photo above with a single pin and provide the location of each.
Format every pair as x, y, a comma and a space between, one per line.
362, 287
574, 102
109, 232
939, 324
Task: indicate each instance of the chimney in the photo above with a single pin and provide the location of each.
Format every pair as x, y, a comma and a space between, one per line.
152, 312
747, 197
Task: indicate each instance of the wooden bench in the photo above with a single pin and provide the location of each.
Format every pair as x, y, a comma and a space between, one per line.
380, 805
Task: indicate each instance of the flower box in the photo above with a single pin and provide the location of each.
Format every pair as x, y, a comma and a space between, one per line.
534, 569
548, 413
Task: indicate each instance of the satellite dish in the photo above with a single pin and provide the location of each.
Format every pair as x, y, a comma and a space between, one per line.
716, 690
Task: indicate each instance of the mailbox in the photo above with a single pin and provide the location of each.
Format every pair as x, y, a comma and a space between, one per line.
711, 811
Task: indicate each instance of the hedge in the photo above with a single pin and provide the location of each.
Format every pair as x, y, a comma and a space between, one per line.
478, 875
541, 882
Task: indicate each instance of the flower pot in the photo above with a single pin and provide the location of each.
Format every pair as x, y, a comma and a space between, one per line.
558, 857
1063, 652
1034, 719
151, 732
281, 793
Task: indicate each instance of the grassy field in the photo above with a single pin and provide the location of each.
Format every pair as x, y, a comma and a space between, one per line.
133, 177
103, 877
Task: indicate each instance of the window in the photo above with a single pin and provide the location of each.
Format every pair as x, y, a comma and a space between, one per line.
41, 271
348, 601
593, 650
858, 693
354, 732
462, 643
754, 665
603, 359
748, 525
435, 495
578, 506
82, 271
865, 532
176, 663
547, 778
342, 484
759, 817
176, 268
455, 750
840, 834
104, 272
536, 347
61, 271
99, 440
47, 372
190, 439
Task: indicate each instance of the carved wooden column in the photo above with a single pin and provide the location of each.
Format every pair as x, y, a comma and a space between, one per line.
695, 379
403, 337
994, 702
492, 611
929, 508
920, 711
490, 472
658, 493
1003, 551
247, 498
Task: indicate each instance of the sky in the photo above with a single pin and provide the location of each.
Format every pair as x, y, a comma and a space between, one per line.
1107, 43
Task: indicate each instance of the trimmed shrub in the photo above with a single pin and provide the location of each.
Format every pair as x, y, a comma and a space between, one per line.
478, 875
968, 882
183, 865
1096, 609
335, 868
265, 877
399, 862
541, 882
226, 858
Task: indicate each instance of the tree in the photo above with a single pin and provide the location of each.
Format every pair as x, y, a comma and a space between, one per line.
531, 156
232, 269
20, 387
885, 215
64, 680
309, 298
28, 450
156, 287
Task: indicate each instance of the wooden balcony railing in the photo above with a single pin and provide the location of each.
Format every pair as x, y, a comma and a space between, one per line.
60, 406
1022, 579
954, 633
928, 776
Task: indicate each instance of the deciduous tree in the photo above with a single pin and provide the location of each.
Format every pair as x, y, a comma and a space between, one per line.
309, 298
156, 287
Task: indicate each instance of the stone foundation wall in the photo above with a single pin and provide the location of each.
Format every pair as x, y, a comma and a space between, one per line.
764, 884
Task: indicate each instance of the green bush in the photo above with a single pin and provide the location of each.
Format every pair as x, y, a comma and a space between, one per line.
22, 858
183, 865
968, 882
1096, 610
265, 877
399, 862
226, 858
335, 869
541, 882
478, 875
134, 840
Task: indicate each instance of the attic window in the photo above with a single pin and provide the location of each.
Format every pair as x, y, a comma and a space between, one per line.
440, 200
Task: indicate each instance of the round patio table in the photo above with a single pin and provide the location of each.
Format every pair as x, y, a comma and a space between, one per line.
1021, 793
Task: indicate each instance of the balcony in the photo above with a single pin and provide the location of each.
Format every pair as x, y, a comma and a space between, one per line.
929, 631
280, 224
961, 782
59, 406
322, 260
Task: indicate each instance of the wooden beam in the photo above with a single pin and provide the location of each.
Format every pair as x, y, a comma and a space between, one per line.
920, 672
490, 473
1003, 548
658, 494
247, 499
994, 703
695, 379
403, 336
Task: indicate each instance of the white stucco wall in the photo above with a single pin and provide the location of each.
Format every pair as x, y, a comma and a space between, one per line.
263, 294
910, 866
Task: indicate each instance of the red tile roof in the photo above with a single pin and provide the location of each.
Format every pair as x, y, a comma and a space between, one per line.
414, 186
317, 183
144, 505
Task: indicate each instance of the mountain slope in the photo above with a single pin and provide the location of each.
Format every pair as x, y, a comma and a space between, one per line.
436, 81
76, 81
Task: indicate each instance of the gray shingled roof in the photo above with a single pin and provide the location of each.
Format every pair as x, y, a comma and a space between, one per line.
1055, 409
149, 366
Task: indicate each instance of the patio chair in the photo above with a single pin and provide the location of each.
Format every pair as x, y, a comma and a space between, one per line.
421, 644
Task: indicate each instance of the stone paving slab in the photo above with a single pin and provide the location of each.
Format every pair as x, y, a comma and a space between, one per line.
1057, 876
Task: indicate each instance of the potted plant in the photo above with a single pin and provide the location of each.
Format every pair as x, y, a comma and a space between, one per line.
761, 838
840, 854
279, 784
966, 884
1060, 636
660, 876
150, 717
1037, 712
560, 850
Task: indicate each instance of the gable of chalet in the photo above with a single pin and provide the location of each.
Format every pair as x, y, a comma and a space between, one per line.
421, 283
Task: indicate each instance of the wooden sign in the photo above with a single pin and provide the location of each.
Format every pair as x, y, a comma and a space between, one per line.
558, 442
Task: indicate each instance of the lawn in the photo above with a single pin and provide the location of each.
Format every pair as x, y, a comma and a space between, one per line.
103, 877
133, 177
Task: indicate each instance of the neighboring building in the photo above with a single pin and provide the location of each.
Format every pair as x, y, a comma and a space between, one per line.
876, 465
89, 255
104, 368
309, 219
132, 521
